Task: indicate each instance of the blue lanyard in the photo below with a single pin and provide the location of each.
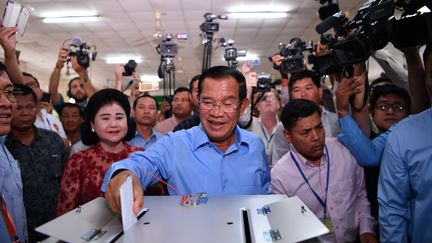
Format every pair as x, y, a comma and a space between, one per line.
323, 202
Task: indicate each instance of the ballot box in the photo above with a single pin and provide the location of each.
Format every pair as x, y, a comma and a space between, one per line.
251, 218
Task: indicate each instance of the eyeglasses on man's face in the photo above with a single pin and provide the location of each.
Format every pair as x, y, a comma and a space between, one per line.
10, 93
225, 106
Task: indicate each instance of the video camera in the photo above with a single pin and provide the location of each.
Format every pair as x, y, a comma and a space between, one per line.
82, 51
167, 48
371, 29
231, 53
292, 53
209, 26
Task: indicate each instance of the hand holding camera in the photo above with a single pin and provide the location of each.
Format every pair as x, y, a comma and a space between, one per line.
62, 57
8, 39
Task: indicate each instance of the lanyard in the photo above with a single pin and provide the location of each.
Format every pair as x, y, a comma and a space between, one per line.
8, 221
323, 202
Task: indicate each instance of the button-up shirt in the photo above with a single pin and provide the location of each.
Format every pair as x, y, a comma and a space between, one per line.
405, 188
139, 142
259, 129
11, 188
192, 164
347, 204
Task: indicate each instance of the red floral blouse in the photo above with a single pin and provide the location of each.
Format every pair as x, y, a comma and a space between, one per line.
84, 173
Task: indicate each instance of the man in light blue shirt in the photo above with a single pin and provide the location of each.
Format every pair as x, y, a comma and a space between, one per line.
10, 175
404, 189
144, 112
216, 157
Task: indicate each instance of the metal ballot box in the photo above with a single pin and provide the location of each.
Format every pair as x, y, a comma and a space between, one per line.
257, 219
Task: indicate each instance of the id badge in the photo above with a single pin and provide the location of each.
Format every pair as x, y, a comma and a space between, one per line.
328, 223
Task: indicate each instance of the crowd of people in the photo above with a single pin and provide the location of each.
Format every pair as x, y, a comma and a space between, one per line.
360, 159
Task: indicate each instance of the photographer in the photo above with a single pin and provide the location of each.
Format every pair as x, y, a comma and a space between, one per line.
79, 88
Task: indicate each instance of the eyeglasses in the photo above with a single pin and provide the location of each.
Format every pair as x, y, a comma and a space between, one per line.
386, 107
10, 93
225, 107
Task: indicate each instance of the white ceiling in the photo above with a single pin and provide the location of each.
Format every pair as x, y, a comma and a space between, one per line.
125, 22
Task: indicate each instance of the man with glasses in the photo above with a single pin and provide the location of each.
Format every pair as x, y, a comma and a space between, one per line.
216, 157
13, 224
41, 155
181, 109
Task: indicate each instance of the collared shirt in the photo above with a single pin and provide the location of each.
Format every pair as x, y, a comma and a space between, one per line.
50, 122
281, 145
347, 204
192, 164
41, 166
405, 188
139, 142
367, 152
167, 125
259, 129
11, 188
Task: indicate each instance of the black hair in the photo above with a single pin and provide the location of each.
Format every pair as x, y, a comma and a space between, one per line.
295, 109
26, 90
142, 96
31, 76
96, 102
191, 82
387, 89
71, 105
304, 74
180, 89
2, 68
219, 72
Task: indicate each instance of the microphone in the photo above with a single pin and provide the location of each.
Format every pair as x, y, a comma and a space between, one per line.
330, 22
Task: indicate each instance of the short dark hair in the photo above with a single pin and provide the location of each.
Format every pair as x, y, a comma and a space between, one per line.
304, 74
142, 96
26, 90
180, 89
2, 68
31, 76
219, 72
71, 105
295, 109
70, 86
192, 81
390, 89
96, 102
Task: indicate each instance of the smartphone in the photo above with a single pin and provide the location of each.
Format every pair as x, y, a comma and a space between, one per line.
16, 15
46, 97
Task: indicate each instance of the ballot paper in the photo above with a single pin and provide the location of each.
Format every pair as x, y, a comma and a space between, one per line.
126, 200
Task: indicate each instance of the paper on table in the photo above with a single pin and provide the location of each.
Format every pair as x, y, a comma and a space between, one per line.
126, 200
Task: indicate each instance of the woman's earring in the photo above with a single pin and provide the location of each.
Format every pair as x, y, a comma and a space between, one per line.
92, 130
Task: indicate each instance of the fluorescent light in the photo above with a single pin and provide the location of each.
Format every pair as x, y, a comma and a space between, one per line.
251, 8
71, 19
61, 14
122, 59
150, 78
257, 15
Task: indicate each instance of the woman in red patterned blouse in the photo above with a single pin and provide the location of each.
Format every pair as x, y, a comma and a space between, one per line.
107, 126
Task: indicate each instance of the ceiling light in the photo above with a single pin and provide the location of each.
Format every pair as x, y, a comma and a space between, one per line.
250, 8
61, 14
122, 59
75, 19
150, 78
257, 15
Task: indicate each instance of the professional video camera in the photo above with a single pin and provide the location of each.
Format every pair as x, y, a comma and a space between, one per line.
371, 29
82, 51
293, 59
167, 48
231, 53
208, 28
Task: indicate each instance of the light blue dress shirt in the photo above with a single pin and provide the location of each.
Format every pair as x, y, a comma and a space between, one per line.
405, 183
139, 142
192, 164
367, 152
11, 188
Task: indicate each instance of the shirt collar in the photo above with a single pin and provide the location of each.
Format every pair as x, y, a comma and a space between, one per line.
200, 138
306, 162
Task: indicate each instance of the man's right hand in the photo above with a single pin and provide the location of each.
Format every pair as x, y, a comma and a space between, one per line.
346, 88
62, 57
112, 192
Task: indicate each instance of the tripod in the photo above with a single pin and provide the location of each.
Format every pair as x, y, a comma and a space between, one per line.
168, 69
208, 46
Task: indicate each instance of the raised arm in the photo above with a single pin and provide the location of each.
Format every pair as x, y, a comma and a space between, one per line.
8, 43
55, 75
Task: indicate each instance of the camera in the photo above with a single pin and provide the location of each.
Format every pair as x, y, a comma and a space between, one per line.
129, 68
82, 52
292, 53
371, 29
167, 48
209, 26
263, 83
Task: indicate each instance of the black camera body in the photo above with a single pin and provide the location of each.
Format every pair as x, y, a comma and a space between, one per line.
167, 48
129, 68
263, 83
292, 53
209, 27
82, 53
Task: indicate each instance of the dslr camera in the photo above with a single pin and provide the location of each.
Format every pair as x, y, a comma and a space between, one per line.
82, 52
263, 83
129, 68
